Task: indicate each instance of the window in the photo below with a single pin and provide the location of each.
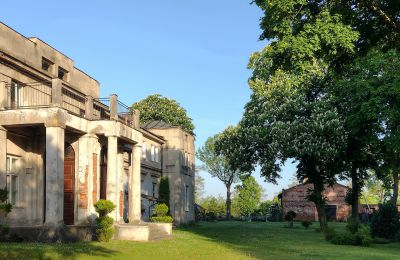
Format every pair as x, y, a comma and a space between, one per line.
157, 154
62, 73
186, 162
154, 189
15, 93
152, 153
12, 179
144, 150
186, 198
46, 64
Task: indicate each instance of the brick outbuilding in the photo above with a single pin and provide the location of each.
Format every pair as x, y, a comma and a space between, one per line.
295, 199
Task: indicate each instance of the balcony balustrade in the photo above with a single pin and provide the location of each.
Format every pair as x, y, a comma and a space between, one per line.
17, 95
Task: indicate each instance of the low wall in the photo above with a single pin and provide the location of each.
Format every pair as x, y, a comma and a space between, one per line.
54, 234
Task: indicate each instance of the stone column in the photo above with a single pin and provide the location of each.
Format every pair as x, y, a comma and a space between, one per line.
113, 107
54, 175
89, 108
56, 92
112, 174
3, 157
87, 144
135, 186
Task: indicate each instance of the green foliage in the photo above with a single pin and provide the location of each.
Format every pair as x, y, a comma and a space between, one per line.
163, 193
306, 224
160, 214
104, 207
361, 237
214, 205
353, 225
385, 223
329, 233
104, 222
5, 208
156, 107
248, 196
161, 210
162, 219
218, 166
289, 217
104, 229
211, 216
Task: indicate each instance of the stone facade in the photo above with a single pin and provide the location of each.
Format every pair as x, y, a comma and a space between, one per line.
295, 199
63, 148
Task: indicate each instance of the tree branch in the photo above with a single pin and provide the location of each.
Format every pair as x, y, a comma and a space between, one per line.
376, 10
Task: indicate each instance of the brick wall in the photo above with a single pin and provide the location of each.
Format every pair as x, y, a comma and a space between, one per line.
295, 199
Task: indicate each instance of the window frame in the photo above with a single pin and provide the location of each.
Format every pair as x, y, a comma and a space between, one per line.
186, 198
11, 173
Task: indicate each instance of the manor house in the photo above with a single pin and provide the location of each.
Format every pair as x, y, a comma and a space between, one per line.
62, 147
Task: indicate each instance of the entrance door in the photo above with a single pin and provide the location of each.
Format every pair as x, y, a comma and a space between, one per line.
69, 184
330, 212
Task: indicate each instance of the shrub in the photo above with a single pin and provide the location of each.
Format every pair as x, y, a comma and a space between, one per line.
162, 219
163, 192
161, 210
306, 224
211, 216
329, 233
361, 237
104, 229
290, 217
5, 208
160, 215
353, 225
385, 222
379, 240
104, 207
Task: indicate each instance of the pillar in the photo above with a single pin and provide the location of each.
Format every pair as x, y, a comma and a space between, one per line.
89, 108
56, 92
54, 212
113, 107
112, 174
135, 186
87, 146
3, 157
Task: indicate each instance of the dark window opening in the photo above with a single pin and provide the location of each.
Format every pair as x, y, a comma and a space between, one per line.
46, 64
62, 73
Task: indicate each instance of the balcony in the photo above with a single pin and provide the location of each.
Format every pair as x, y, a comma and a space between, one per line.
57, 94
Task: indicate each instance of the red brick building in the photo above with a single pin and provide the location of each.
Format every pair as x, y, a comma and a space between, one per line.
295, 199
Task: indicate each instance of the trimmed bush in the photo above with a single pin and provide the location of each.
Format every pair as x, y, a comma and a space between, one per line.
385, 223
104, 207
104, 229
306, 224
162, 219
161, 210
160, 214
329, 233
290, 217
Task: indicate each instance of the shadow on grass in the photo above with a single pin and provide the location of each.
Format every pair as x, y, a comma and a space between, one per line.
272, 240
53, 251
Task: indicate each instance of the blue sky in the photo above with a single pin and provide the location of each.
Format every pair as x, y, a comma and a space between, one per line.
193, 51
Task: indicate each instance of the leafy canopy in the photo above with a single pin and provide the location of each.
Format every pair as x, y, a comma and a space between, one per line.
248, 196
156, 107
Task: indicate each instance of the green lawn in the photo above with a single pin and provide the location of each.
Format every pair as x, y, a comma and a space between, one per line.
222, 240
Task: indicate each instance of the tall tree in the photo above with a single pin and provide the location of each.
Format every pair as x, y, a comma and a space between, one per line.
248, 195
290, 114
156, 107
218, 166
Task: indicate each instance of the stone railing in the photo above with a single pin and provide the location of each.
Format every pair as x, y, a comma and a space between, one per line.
45, 94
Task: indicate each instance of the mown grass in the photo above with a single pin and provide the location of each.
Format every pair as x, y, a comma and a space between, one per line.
220, 240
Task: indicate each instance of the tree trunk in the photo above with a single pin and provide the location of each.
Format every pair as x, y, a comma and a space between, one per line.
228, 202
320, 205
395, 186
355, 203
